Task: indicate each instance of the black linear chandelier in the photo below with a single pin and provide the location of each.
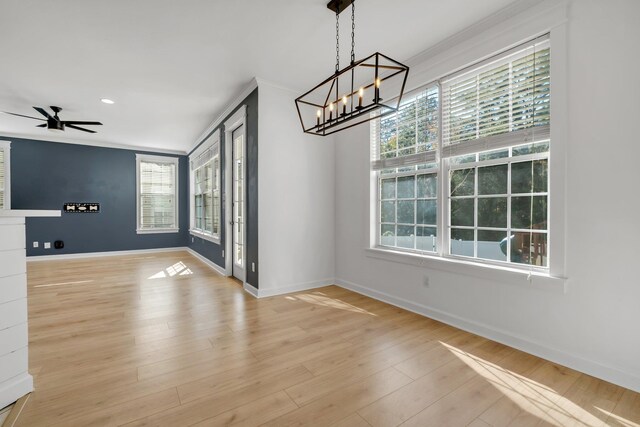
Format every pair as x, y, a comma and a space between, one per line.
350, 96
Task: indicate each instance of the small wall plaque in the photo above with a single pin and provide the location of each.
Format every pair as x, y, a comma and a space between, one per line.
82, 207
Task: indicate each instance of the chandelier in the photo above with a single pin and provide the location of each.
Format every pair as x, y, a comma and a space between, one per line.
348, 98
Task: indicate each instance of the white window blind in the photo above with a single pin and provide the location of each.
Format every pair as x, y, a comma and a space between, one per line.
5, 182
409, 136
157, 187
502, 102
205, 156
2, 178
205, 188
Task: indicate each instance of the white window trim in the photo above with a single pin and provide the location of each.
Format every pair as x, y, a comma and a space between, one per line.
239, 118
211, 141
162, 159
6, 147
552, 277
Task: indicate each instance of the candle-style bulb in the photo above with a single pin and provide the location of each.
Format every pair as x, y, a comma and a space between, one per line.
331, 107
319, 113
344, 100
361, 92
377, 90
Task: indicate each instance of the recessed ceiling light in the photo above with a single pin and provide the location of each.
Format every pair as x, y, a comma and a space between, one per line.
107, 101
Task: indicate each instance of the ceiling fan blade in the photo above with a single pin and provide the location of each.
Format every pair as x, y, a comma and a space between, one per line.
43, 112
22, 115
79, 128
44, 125
74, 122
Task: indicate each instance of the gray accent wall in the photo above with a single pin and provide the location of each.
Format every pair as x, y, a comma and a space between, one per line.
213, 251
44, 175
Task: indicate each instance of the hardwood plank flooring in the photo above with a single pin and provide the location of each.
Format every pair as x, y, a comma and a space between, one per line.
163, 340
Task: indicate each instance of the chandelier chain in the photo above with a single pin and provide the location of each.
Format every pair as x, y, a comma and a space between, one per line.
337, 40
353, 31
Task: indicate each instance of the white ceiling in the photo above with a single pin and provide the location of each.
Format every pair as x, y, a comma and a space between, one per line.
173, 66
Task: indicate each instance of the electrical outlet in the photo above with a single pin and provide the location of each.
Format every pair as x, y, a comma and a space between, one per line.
425, 281
47, 245
36, 244
253, 267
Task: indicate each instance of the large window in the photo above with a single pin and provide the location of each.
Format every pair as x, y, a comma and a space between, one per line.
462, 168
5, 169
407, 173
157, 192
205, 189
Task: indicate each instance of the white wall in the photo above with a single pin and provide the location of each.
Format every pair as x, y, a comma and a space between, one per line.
595, 325
296, 176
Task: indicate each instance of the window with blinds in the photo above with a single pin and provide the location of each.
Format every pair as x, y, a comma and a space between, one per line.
5, 186
2, 179
404, 154
488, 128
157, 194
499, 104
205, 189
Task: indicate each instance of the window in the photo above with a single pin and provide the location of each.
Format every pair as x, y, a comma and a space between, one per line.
205, 189
407, 173
157, 194
5, 169
462, 167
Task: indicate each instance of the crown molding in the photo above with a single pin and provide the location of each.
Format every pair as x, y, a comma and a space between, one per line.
253, 84
482, 26
520, 22
265, 82
104, 144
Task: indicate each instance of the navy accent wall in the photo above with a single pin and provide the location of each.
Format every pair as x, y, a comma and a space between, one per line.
44, 175
212, 250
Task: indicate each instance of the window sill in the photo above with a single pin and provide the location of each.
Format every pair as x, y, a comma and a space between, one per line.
157, 230
509, 275
205, 236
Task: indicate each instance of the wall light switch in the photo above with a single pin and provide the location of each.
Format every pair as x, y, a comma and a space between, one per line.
35, 244
223, 253
253, 267
47, 245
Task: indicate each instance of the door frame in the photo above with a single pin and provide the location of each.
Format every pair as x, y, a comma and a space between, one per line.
239, 118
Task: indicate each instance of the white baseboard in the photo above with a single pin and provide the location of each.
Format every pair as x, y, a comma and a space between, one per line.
102, 254
14, 388
207, 261
596, 369
298, 287
251, 290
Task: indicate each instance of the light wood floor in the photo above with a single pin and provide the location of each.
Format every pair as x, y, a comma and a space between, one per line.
163, 340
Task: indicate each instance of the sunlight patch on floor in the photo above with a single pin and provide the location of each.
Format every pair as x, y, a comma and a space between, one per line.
532, 397
318, 298
622, 421
179, 268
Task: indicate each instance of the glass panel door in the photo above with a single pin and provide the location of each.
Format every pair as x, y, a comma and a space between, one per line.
238, 203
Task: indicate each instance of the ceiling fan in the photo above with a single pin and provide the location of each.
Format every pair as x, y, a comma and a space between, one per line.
54, 123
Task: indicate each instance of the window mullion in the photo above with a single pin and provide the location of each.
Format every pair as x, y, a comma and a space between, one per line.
442, 201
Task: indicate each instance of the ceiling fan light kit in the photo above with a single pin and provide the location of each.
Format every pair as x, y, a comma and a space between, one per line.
353, 94
54, 124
